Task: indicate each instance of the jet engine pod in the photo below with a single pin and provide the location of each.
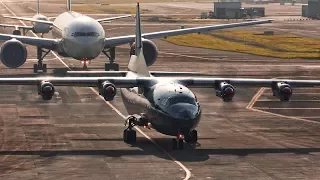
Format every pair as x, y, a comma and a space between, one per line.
225, 91
13, 53
150, 51
108, 90
46, 90
282, 90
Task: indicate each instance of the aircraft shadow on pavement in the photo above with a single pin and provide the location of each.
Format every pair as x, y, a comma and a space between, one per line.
190, 153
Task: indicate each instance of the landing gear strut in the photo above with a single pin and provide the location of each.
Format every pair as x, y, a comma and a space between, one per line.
177, 143
130, 135
111, 53
191, 137
40, 56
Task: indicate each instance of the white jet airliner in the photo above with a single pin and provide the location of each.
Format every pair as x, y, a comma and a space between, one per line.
83, 38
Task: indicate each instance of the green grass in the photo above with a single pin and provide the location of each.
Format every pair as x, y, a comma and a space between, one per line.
282, 46
106, 9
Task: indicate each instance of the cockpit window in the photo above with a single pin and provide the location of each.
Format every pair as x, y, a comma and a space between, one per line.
178, 99
85, 34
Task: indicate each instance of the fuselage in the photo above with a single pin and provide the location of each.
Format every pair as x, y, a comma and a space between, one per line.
82, 36
170, 107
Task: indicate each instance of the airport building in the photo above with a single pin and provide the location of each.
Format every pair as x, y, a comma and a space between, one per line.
312, 10
233, 10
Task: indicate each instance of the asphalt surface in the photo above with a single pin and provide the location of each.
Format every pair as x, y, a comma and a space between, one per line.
78, 136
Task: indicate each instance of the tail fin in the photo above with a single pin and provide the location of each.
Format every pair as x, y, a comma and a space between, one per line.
137, 62
69, 5
38, 7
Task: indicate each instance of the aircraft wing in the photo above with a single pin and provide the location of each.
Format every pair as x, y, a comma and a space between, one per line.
125, 82
115, 41
16, 26
112, 18
124, 73
29, 19
35, 41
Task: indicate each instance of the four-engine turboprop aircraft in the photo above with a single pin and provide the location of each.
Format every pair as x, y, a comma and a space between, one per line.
83, 38
165, 104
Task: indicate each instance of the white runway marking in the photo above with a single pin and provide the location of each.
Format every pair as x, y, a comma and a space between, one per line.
188, 173
32, 9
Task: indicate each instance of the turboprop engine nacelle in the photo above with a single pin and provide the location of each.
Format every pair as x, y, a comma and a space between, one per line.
46, 90
13, 53
150, 51
107, 90
225, 91
282, 90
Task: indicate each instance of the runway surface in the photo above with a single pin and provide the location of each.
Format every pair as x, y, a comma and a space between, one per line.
78, 136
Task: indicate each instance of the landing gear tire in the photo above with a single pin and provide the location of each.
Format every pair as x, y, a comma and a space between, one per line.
180, 144
111, 54
174, 144
44, 68
37, 67
40, 65
113, 66
191, 137
129, 136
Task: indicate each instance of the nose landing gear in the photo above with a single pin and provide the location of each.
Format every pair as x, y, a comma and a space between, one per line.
177, 143
85, 63
191, 137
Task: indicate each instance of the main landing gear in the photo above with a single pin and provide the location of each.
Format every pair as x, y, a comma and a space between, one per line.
111, 53
191, 137
130, 135
40, 56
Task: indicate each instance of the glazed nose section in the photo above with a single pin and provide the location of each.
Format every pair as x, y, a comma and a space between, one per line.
184, 111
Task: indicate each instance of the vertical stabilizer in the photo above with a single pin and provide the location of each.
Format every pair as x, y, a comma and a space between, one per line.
137, 62
69, 5
38, 7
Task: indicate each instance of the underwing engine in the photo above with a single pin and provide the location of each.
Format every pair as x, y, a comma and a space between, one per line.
107, 90
225, 91
282, 90
13, 53
150, 51
46, 90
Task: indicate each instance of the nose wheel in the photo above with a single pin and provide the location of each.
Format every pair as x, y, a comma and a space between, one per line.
178, 143
191, 137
